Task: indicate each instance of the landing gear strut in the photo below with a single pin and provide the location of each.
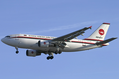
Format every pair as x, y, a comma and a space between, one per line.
16, 50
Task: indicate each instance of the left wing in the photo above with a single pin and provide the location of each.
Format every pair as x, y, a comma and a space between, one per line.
71, 35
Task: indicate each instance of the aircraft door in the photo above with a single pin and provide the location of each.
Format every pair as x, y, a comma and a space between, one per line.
17, 41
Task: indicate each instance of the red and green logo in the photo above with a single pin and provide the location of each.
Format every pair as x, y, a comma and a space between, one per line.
101, 32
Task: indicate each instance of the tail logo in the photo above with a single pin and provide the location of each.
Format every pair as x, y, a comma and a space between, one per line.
101, 32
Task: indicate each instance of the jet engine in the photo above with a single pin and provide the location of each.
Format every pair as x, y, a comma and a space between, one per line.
43, 43
32, 53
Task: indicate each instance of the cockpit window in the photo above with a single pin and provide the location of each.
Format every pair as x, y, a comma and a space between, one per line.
8, 36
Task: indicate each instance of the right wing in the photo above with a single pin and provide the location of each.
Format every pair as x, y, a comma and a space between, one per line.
71, 35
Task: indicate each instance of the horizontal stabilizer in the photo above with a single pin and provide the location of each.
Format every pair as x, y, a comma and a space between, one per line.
105, 41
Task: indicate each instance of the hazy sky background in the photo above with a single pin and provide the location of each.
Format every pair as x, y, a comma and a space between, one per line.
57, 18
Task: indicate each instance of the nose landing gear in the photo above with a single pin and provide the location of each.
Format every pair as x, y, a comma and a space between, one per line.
16, 50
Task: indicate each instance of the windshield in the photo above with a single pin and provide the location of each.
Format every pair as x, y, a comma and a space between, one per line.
8, 36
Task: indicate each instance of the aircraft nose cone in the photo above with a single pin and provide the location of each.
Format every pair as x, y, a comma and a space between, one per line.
2, 40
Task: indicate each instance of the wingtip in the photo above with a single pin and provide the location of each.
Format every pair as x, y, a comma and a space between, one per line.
116, 37
90, 27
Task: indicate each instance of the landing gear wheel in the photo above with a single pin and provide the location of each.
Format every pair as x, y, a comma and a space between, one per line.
50, 57
17, 52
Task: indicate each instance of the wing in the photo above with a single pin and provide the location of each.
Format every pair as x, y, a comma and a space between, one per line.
71, 35
105, 41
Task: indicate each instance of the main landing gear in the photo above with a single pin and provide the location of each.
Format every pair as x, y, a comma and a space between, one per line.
16, 50
50, 56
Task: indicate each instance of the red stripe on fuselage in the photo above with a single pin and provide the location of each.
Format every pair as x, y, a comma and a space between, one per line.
50, 39
32, 37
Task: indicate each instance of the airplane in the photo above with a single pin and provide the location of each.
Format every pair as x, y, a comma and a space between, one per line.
36, 44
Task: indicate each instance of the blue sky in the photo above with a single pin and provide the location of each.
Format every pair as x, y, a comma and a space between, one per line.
57, 18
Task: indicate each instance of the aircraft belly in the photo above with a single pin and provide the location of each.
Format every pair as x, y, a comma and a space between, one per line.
70, 47
90, 46
73, 47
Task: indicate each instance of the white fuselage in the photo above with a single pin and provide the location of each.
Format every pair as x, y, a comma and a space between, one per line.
31, 42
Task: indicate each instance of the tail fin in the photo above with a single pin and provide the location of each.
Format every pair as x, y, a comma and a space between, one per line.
100, 33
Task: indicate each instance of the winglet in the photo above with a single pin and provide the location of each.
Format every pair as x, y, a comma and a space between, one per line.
90, 27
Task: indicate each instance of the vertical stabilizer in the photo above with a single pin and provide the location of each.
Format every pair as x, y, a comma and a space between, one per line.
100, 33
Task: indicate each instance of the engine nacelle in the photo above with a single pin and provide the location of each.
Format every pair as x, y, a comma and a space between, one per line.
32, 53
43, 43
